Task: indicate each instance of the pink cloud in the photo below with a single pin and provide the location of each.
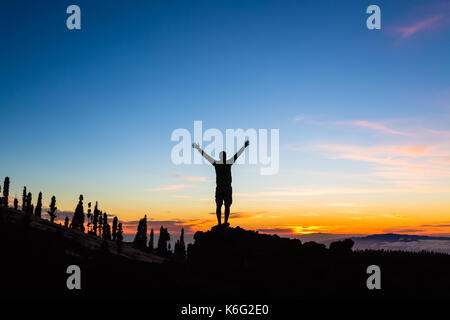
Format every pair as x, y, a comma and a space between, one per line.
445, 161
376, 126
171, 188
419, 25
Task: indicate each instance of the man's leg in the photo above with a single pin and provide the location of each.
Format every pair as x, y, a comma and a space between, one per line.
219, 213
227, 202
219, 202
227, 213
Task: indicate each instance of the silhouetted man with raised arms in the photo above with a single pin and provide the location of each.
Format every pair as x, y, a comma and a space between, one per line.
223, 179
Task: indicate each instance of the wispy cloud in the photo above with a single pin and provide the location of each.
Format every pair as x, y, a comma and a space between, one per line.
298, 118
376, 126
181, 196
395, 216
371, 125
437, 225
191, 179
385, 154
171, 187
309, 214
422, 24
343, 205
412, 159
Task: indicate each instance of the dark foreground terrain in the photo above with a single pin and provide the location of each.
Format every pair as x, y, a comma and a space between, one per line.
223, 263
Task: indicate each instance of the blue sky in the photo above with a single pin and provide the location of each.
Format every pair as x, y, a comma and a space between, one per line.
91, 111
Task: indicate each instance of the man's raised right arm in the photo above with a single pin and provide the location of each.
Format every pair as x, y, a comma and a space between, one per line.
203, 153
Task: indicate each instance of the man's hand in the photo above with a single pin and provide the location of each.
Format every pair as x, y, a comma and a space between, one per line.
204, 154
246, 143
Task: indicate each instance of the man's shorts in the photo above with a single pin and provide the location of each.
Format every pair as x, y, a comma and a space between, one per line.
223, 195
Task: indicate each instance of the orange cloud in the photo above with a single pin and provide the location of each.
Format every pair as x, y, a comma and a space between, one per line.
394, 216
243, 215
343, 205
295, 230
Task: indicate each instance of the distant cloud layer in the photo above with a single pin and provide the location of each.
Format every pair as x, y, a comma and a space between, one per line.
428, 245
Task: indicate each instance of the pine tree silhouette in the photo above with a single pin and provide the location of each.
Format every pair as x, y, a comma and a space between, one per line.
114, 229
29, 205
89, 218
164, 237
151, 245
180, 248
119, 237
161, 247
106, 232
95, 219
78, 216
140, 240
38, 211
100, 223
144, 232
24, 199
52, 211
106, 228
16, 204
5, 192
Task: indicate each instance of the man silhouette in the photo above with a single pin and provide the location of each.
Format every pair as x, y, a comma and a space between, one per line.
223, 179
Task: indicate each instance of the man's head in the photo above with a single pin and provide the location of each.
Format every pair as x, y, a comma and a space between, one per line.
223, 157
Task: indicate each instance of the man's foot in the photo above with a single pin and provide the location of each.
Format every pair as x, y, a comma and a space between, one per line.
226, 224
